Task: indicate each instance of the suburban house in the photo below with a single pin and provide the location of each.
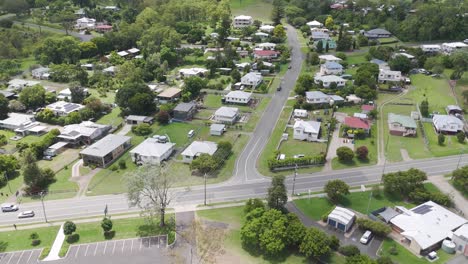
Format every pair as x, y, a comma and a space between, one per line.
327, 80
111, 70
460, 238
227, 115
19, 84
105, 151
65, 94
341, 218
389, 76
151, 151
431, 48
451, 47
184, 111
425, 226
252, 79
329, 57
353, 98
266, 28
261, 35
331, 43
306, 130
377, 33
83, 133
319, 35
317, 97
62, 108
357, 123
197, 148
447, 124
136, 120
103, 28
314, 23
400, 125
367, 108
383, 65
10, 95
169, 95
85, 23
55, 149
238, 97
190, 72
217, 129
41, 73
266, 54
266, 46
331, 68
300, 113
453, 109
242, 21
22, 124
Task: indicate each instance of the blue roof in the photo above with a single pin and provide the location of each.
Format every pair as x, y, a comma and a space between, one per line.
332, 65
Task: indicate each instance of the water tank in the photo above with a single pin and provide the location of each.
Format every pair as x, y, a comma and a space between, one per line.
448, 246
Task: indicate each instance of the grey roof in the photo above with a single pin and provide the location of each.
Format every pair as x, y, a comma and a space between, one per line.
58, 145
319, 34
453, 107
239, 94
7, 93
105, 145
388, 214
336, 98
227, 111
185, 107
332, 65
405, 121
378, 62
140, 118
200, 147
64, 106
217, 127
330, 78
316, 95
378, 31
152, 148
308, 126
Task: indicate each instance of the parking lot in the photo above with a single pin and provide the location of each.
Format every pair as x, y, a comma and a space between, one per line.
20, 257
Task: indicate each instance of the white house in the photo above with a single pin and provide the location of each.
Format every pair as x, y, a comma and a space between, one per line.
267, 28
227, 115
62, 108
389, 76
200, 72
238, 97
152, 152
431, 48
425, 226
328, 57
266, 46
314, 23
451, 47
197, 148
341, 218
353, 98
261, 35
331, 68
327, 80
217, 129
300, 113
66, 94
306, 130
41, 73
317, 97
252, 79
84, 133
85, 23
18, 121
447, 124
460, 238
242, 21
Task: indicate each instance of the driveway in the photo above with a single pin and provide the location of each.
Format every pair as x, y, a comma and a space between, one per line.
442, 183
370, 249
335, 143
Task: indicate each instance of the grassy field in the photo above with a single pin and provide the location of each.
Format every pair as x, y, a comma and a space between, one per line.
258, 9
450, 147
19, 239
405, 256
437, 91
113, 118
356, 58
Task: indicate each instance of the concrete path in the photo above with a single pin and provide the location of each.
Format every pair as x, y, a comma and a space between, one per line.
124, 130
55, 250
442, 183
76, 168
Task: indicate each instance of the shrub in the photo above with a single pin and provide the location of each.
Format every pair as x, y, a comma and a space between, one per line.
35, 242
106, 224
378, 228
345, 154
334, 242
362, 152
34, 235
252, 204
142, 129
73, 238
163, 117
350, 250
441, 139
69, 227
114, 167
461, 136
122, 164
393, 250
376, 191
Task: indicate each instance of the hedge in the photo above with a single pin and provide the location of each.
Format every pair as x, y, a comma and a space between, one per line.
308, 160
378, 228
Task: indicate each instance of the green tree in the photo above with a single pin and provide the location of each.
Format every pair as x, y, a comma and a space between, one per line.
279, 32
8, 166
142, 129
59, 50
277, 13
130, 89
277, 196
424, 108
314, 58
295, 231
78, 93
461, 136
142, 104
319, 46
193, 86
69, 228
88, 49
204, 163
17, 7
235, 75
460, 178
403, 182
441, 139
252, 204
345, 154
106, 225
315, 244
335, 189
400, 63
378, 228
33, 96
4, 109
360, 259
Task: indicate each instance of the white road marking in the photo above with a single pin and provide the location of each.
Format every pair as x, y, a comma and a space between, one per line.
95, 249
11, 257
20, 257
131, 248
105, 248
141, 243
30, 256
114, 248
76, 253
123, 246
86, 252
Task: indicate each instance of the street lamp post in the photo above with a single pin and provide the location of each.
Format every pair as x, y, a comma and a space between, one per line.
294, 181
43, 207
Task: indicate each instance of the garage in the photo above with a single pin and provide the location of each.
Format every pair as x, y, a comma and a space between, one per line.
341, 218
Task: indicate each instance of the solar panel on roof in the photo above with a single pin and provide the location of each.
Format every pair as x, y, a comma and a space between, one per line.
423, 209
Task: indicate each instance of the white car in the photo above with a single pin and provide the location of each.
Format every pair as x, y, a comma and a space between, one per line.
26, 214
366, 237
8, 207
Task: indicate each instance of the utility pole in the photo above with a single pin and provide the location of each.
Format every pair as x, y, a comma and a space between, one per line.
204, 176
43, 207
459, 158
294, 181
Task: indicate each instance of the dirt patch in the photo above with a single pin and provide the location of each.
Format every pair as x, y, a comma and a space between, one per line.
404, 155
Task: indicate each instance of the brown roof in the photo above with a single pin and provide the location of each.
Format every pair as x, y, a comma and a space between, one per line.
170, 93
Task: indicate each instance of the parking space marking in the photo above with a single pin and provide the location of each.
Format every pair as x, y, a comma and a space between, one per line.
21, 257
30, 256
131, 248
12, 254
114, 247
95, 249
76, 253
105, 247
86, 252
123, 245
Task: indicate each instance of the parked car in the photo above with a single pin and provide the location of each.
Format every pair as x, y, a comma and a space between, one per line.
299, 156
8, 207
26, 214
366, 238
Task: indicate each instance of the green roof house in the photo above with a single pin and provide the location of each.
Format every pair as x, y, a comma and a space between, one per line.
400, 125
331, 43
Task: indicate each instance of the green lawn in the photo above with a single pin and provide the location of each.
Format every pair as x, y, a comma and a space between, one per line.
356, 58
258, 9
450, 147
19, 239
113, 118
212, 101
13, 185
108, 99
65, 158
437, 91
405, 256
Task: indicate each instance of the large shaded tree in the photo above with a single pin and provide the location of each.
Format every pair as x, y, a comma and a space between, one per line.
277, 196
315, 243
4, 109
335, 189
33, 96
404, 182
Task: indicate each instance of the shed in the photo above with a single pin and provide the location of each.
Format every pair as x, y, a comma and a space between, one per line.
55, 149
136, 119
453, 109
300, 113
185, 111
217, 129
341, 218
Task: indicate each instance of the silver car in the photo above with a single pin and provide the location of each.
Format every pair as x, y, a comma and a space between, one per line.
26, 214
8, 207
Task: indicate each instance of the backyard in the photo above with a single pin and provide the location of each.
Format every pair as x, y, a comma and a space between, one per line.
258, 9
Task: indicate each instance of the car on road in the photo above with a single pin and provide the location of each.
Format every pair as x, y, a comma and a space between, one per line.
26, 214
366, 238
8, 207
278, 89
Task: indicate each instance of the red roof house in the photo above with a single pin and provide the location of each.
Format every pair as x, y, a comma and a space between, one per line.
357, 123
266, 54
367, 108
